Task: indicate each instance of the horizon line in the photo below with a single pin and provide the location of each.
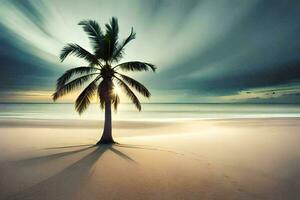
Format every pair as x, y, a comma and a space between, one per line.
157, 103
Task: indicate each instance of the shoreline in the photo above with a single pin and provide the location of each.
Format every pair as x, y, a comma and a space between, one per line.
93, 124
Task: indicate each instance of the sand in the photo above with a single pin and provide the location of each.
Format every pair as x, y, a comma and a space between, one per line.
208, 159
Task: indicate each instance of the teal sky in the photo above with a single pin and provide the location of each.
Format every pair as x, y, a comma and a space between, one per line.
205, 50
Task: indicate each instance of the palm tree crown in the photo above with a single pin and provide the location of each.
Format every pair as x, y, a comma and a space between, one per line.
100, 74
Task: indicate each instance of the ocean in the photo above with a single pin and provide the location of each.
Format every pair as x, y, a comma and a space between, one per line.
151, 111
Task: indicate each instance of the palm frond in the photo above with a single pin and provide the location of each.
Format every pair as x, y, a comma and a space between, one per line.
107, 49
136, 85
130, 37
112, 29
71, 86
112, 34
129, 93
92, 28
136, 66
85, 97
78, 51
61, 81
118, 53
116, 101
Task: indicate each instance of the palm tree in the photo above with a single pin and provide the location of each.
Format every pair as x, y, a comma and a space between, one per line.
102, 72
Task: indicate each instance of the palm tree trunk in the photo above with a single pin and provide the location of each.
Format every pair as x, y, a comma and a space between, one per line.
107, 130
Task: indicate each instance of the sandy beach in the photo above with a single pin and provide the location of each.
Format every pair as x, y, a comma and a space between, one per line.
200, 159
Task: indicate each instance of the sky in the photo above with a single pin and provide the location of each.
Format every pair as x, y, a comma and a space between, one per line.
206, 51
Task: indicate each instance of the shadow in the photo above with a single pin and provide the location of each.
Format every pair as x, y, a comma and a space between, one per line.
45, 158
68, 183
121, 154
146, 147
65, 147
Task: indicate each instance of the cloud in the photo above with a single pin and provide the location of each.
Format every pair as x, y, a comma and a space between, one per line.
205, 49
262, 49
288, 93
21, 69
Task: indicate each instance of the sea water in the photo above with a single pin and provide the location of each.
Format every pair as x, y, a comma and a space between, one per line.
151, 111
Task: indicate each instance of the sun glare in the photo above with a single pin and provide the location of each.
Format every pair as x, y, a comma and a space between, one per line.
117, 89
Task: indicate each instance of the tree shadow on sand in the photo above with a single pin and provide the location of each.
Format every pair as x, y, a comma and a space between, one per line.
67, 183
